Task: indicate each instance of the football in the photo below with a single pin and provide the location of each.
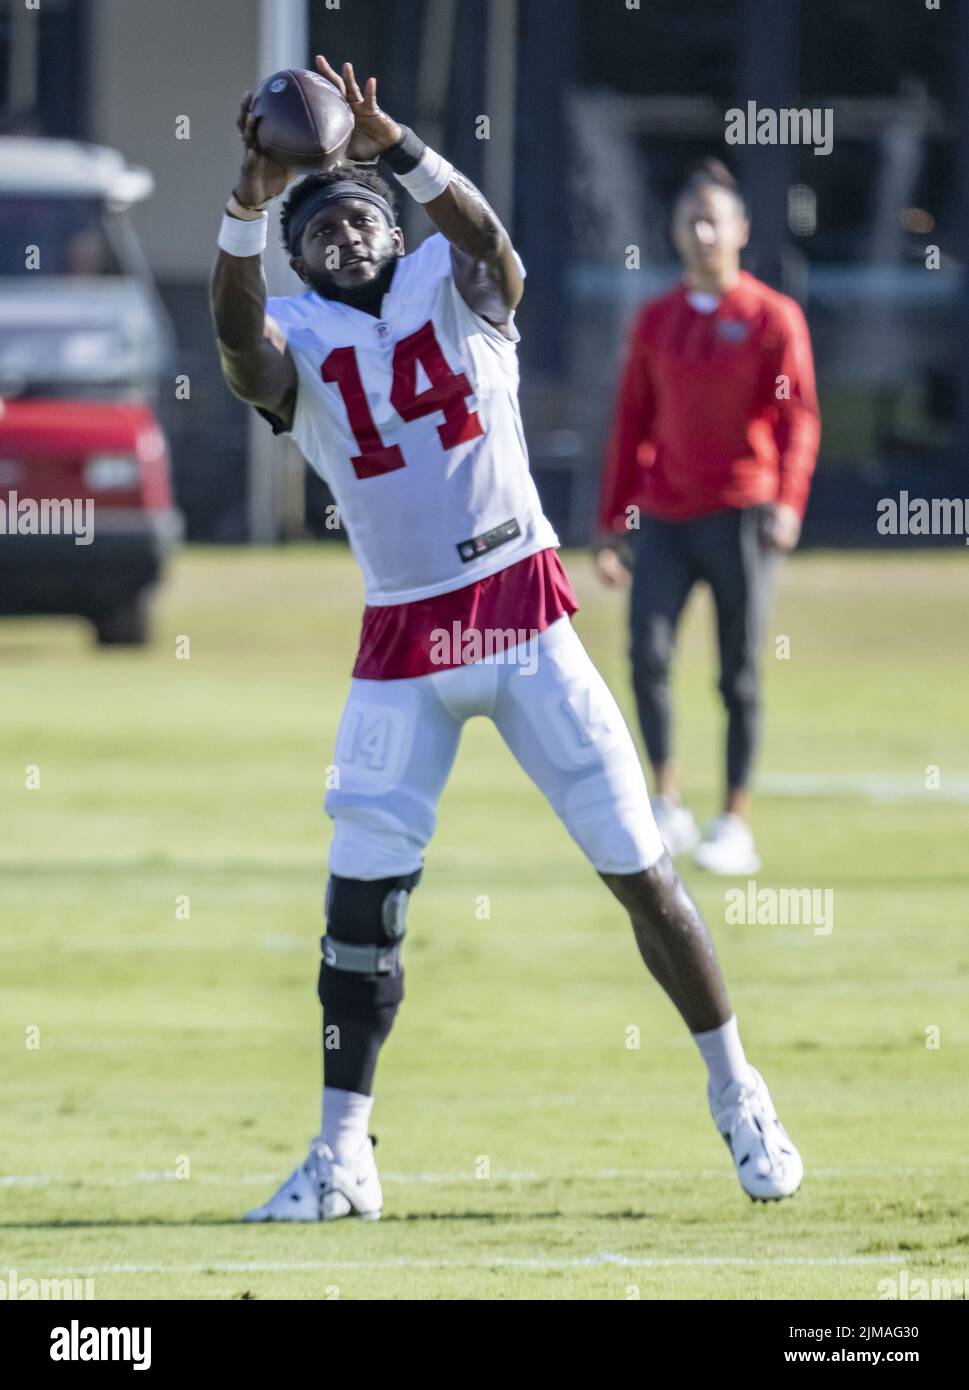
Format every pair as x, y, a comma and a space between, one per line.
304, 122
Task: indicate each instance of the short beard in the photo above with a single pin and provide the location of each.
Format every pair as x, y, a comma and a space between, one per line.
366, 297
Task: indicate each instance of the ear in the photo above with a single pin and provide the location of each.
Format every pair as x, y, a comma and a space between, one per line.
744, 234
298, 266
398, 237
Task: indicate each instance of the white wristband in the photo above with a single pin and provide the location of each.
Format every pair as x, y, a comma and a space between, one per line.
238, 238
429, 179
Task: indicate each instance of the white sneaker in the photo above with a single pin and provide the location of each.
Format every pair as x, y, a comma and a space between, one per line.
768, 1165
677, 828
727, 847
323, 1190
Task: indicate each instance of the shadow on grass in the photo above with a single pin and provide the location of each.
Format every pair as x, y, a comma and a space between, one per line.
406, 1218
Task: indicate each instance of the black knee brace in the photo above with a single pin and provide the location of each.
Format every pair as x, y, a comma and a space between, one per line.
361, 970
361, 979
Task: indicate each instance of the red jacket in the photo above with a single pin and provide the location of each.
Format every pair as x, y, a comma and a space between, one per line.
714, 410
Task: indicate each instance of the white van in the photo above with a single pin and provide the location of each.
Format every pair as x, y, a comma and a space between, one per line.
79, 314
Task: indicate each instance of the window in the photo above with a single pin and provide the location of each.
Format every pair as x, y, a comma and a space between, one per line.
73, 236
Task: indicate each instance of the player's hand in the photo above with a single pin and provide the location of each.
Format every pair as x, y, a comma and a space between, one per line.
261, 178
611, 569
373, 130
781, 527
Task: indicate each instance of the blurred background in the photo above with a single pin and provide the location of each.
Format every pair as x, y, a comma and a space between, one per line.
595, 110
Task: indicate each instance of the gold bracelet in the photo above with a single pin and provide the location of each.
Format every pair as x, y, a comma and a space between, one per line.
244, 213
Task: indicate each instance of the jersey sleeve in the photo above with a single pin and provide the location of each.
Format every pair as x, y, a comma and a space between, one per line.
629, 437
437, 265
798, 428
432, 259
288, 312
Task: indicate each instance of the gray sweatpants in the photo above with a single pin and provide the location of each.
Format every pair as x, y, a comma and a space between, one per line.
725, 550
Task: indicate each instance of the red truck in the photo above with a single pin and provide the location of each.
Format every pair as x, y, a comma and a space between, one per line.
86, 514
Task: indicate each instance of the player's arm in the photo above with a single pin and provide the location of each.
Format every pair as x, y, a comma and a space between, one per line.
487, 272
797, 432
256, 362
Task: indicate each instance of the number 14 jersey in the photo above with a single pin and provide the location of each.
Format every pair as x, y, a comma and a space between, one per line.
412, 420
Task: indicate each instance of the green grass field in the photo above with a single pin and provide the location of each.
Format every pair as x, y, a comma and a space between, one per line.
168, 1044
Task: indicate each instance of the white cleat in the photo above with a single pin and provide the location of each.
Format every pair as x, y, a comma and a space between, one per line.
727, 847
324, 1190
677, 828
768, 1165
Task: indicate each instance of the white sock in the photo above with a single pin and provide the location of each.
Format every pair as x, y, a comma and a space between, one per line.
346, 1115
723, 1053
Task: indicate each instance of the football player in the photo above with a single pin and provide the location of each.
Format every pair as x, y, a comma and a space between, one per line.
396, 374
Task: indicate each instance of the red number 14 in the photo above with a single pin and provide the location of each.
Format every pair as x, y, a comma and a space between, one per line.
447, 392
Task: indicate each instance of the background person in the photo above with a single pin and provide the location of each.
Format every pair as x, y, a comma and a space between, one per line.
714, 441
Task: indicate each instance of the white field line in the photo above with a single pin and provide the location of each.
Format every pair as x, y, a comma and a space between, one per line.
870, 786
603, 1258
172, 941
499, 1175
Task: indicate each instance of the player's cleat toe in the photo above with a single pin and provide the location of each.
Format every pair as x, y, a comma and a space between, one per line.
322, 1189
727, 847
768, 1165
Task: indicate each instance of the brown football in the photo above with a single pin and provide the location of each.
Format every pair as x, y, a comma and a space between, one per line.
304, 122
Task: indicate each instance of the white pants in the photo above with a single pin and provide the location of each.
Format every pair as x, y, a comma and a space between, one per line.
397, 741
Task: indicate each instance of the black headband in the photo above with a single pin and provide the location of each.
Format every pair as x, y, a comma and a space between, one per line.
332, 193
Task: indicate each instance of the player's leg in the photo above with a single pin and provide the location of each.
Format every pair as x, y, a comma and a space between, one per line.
394, 749
563, 725
740, 572
663, 576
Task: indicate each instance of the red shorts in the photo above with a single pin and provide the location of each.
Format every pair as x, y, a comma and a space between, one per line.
404, 639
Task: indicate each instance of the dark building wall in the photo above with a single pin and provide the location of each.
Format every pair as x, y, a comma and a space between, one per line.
62, 86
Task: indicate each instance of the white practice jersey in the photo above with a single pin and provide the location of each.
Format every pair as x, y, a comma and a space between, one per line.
412, 420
